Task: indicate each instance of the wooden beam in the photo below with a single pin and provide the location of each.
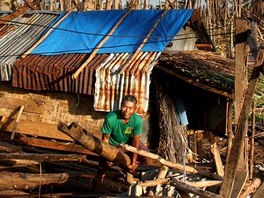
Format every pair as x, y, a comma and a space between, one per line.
190, 189
36, 128
42, 157
11, 181
15, 163
79, 70
54, 145
241, 130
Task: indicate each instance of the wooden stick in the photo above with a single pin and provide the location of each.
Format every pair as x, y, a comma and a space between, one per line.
190, 189
143, 42
76, 74
17, 121
46, 35
2, 121
217, 159
251, 160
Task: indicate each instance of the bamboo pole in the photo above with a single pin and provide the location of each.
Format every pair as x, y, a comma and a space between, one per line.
143, 42
76, 74
46, 35
158, 158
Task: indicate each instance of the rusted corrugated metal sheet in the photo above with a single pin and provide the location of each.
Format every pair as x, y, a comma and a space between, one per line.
36, 72
101, 77
16, 41
111, 85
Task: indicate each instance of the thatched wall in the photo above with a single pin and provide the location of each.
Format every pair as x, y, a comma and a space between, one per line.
47, 108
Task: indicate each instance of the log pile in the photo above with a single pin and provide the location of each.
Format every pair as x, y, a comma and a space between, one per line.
34, 166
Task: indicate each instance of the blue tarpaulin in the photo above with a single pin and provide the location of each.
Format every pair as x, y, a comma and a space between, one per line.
81, 32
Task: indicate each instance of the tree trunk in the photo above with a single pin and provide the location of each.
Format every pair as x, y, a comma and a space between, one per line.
95, 145
173, 136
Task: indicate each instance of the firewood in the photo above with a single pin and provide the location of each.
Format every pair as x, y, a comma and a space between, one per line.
95, 145
25, 181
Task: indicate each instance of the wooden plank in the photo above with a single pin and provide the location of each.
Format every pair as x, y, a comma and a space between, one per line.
17, 121
217, 159
240, 180
260, 192
190, 189
13, 103
36, 128
54, 145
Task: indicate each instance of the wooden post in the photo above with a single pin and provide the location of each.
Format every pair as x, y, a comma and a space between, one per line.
251, 161
231, 165
95, 145
17, 121
229, 127
241, 75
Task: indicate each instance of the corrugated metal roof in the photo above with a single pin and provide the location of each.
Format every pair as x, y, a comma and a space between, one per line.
14, 43
101, 77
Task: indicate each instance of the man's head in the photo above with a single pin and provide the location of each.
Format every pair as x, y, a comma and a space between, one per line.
129, 105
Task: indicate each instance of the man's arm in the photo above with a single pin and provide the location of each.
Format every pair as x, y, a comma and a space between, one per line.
135, 143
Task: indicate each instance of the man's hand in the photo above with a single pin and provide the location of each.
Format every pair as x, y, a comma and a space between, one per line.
133, 166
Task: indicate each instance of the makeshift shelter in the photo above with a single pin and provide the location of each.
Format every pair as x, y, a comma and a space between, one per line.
123, 61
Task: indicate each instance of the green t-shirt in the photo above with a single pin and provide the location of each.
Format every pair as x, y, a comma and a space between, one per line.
121, 132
